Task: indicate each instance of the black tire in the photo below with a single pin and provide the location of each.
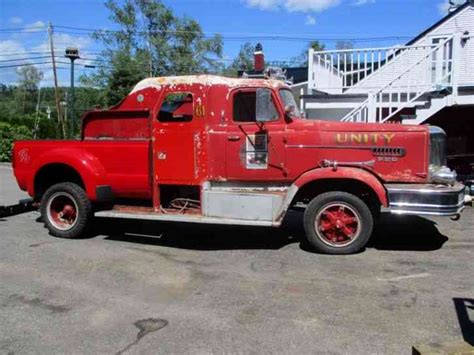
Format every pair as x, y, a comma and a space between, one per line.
70, 201
344, 221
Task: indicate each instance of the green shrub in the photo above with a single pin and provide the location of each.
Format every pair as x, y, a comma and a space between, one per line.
9, 134
46, 129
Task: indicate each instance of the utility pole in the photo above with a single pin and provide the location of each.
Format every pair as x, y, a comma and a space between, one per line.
56, 89
37, 117
72, 54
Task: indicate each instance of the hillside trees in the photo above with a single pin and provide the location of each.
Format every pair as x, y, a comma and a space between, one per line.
150, 41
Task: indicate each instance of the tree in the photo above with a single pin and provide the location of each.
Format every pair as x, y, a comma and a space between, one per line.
303, 57
340, 45
243, 61
151, 41
29, 78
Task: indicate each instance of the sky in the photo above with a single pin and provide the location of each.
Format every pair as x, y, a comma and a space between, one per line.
367, 23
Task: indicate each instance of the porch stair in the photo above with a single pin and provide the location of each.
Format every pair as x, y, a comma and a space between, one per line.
406, 88
407, 84
433, 106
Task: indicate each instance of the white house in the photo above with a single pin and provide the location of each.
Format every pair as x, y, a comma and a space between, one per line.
408, 84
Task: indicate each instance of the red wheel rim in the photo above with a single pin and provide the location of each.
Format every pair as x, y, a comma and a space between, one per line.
338, 224
62, 211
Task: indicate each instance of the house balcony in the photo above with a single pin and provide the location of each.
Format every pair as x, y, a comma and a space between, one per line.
381, 84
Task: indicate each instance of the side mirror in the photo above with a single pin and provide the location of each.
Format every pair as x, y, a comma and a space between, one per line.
289, 110
265, 110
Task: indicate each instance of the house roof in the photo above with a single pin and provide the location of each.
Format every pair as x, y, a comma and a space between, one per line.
440, 22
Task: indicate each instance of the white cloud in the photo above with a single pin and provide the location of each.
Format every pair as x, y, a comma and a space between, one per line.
293, 5
15, 48
363, 2
35, 26
61, 41
10, 49
310, 20
443, 7
264, 4
10, 46
16, 20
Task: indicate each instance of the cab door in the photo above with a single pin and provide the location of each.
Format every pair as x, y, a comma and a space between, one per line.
255, 136
175, 131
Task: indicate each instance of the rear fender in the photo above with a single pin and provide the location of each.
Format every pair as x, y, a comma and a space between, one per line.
87, 166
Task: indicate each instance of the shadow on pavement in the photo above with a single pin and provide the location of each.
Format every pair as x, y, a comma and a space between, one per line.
392, 233
192, 236
462, 306
406, 233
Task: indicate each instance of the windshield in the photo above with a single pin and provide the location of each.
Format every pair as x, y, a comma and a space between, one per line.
289, 100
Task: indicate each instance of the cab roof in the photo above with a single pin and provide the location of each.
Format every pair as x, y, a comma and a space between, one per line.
206, 80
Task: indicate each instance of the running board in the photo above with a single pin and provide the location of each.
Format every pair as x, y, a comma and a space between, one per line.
184, 218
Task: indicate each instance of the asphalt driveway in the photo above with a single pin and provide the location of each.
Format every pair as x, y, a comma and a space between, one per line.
160, 288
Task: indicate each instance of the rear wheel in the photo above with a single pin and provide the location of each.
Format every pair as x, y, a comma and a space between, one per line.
338, 223
66, 210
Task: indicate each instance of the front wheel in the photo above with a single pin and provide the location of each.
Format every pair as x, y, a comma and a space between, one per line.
338, 223
66, 210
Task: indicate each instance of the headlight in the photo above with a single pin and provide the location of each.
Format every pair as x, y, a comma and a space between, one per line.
442, 175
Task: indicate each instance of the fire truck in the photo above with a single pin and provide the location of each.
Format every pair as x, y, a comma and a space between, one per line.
209, 149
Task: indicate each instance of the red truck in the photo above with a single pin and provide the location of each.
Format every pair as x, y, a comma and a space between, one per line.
209, 149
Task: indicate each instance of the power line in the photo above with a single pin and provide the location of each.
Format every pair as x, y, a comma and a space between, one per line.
23, 65
229, 36
234, 34
29, 64
240, 36
59, 51
8, 54
34, 30
23, 59
265, 37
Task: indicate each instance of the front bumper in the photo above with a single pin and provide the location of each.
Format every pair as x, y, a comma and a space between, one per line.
426, 199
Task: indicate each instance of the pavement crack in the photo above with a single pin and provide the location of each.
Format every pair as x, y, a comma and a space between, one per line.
145, 326
37, 303
35, 245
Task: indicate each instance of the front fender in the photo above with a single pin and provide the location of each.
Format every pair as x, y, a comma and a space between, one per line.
357, 174
86, 164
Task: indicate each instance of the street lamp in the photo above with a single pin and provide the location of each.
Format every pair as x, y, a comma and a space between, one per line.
73, 54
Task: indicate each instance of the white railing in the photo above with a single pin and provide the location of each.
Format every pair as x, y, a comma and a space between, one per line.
431, 71
359, 70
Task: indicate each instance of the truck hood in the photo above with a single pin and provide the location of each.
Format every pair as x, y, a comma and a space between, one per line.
394, 152
337, 126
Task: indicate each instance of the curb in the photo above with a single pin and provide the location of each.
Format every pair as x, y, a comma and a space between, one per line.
9, 165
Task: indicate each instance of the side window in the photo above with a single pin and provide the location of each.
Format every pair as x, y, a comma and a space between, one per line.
245, 106
177, 107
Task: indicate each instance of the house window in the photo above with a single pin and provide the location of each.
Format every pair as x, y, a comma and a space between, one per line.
441, 61
177, 107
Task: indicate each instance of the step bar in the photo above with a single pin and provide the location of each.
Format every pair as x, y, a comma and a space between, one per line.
188, 218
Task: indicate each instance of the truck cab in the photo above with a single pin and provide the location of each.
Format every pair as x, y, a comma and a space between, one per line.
209, 149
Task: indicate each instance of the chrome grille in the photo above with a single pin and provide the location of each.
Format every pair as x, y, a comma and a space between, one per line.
388, 152
437, 147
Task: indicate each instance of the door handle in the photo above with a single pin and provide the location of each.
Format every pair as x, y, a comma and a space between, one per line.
233, 138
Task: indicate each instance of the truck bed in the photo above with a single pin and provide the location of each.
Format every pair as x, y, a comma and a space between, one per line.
121, 164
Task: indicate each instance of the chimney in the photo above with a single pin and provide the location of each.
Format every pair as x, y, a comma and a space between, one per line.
259, 61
